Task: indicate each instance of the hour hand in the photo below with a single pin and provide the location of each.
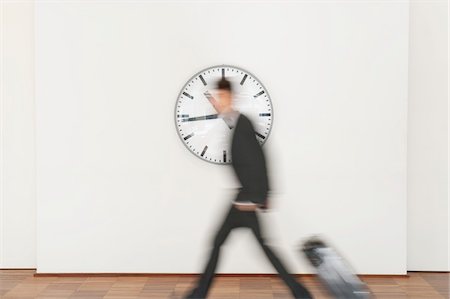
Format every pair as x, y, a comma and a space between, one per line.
204, 117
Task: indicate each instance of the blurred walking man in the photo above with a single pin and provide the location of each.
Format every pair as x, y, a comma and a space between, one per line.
250, 167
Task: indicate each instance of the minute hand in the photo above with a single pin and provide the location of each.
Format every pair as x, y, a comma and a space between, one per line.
204, 117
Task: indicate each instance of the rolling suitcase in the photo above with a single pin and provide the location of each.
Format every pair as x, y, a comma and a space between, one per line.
332, 270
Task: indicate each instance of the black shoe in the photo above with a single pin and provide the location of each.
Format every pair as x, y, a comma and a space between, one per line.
303, 295
193, 295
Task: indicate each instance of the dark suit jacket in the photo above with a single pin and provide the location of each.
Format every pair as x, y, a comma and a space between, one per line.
249, 163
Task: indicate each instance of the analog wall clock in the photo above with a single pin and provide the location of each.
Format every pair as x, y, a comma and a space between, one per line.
199, 126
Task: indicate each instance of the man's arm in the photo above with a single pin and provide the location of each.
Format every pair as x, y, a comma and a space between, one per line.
250, 168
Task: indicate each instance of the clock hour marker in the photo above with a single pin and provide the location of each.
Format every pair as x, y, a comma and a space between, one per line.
224, 156
260, 135
204, 150
264, 114
243, 79
258, 94
203, 80
223, 73
182, 115
188, 95
188, 136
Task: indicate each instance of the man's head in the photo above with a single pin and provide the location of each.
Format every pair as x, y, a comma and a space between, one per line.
224, 96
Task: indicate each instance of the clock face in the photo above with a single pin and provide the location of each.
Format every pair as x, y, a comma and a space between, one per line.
200, 127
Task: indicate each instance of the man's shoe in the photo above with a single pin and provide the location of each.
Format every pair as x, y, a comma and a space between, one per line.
193, 295
304, 295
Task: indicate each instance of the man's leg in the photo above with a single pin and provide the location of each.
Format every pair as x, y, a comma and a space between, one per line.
206, 278
298, 290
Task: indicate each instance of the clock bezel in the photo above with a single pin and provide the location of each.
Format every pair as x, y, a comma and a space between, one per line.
191, 81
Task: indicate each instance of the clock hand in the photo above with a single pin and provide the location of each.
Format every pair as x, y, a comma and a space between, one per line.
212, 100
204, 117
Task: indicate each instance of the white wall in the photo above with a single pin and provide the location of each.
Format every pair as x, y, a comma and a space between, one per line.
427, 236
118, 192
17, 165
428, 201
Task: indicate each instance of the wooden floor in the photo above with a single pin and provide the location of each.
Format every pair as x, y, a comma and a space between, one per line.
22, 284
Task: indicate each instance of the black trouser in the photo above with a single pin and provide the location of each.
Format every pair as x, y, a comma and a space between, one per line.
234, 219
